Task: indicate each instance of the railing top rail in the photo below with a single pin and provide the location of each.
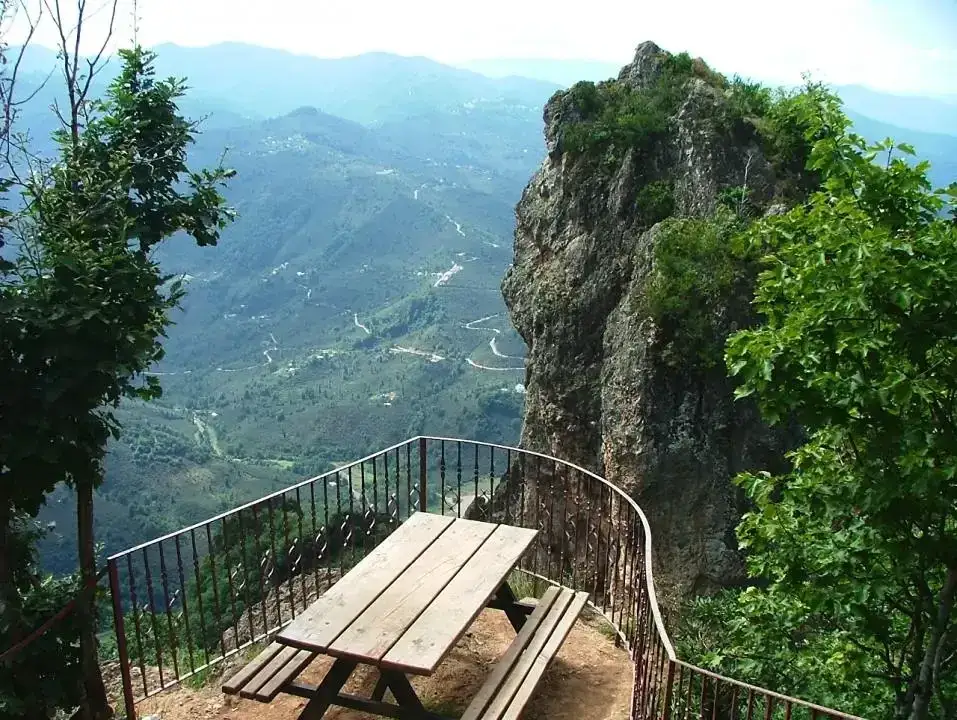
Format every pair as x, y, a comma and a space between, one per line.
769, 693
649, 575
265, 498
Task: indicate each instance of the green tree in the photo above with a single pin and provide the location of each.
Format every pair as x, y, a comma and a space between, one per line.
856, 547
84, 306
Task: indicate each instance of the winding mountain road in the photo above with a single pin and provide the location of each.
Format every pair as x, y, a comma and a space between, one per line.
492, 344
359, 324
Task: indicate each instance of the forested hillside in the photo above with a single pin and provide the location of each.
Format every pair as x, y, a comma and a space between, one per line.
354, 302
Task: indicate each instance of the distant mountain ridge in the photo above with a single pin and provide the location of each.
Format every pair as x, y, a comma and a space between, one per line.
915, 112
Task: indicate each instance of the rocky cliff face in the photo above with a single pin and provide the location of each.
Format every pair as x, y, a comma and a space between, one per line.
599, 391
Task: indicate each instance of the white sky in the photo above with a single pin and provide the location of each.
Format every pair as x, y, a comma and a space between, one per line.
892, 45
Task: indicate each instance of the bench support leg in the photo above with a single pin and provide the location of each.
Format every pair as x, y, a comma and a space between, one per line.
505, 600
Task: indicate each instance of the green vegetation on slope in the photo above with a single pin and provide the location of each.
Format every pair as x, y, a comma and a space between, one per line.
851, 553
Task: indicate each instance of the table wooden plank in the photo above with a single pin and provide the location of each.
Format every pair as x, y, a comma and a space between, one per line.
428, 640
334, 611
376, 630
524, 665
548, 653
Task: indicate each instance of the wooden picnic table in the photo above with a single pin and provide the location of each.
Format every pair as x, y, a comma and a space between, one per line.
402, 608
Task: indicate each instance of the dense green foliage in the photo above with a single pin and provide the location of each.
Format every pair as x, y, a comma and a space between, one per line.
699, 267
655, 202
614, 117
853, 550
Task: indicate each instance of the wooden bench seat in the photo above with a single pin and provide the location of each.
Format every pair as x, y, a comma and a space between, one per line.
515, 677
264, 677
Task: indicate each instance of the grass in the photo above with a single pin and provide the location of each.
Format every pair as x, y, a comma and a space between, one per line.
525, 585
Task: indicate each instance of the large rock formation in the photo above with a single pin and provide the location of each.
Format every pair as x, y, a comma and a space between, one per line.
599, 392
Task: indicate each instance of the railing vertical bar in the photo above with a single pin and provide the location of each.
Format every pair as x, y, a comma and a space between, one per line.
576, 530
734, 701
174, 650
364, 511
375, 496
563, 577
490, 506
408, 477
551, 521
327, 534
616, 591
458, 477
423, 476
632, 590
352, 515
259, 555
768, 706
300, 544
597, 565
750, 703
140, 651
398, 490
343, 526
185, 602
443, 504
287, 550
507, 495
475, 485
691, 677
199, 597
229, 580
121, 648
669, 685
678, 693
152, 606
521, 507
314, 536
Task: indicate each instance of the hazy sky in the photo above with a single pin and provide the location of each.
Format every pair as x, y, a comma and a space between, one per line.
894, 45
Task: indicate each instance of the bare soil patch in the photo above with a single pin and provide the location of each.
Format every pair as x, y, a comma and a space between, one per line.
590, 679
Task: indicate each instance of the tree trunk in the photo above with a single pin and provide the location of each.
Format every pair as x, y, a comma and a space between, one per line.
9, 597
96, 706
926, 679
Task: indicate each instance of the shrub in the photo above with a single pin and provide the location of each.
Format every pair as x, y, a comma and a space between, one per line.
698, 263
655, 202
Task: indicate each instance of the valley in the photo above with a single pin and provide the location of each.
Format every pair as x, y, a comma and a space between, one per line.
336, 316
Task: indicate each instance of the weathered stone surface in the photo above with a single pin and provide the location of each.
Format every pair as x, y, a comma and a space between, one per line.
599, 392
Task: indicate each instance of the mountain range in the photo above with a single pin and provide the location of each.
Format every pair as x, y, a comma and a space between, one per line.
355, 301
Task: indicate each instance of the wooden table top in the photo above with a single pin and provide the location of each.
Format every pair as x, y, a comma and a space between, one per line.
406, 604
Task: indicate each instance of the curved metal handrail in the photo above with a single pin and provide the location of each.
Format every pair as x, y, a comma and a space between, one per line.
649, 576
662, 676
650, 583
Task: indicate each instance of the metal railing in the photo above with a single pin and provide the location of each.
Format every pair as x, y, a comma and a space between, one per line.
188, 601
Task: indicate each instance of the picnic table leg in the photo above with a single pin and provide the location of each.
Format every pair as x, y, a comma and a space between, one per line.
506, 599
328, 689
404, 693
380, 687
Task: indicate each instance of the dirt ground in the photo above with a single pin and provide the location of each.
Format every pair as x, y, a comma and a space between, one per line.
589, 680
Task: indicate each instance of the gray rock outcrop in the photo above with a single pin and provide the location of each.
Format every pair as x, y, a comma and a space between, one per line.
599, 392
